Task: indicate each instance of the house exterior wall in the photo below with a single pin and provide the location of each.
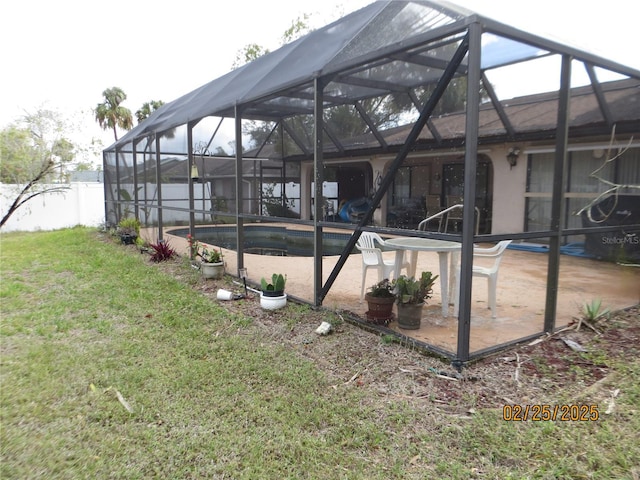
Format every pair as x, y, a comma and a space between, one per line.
509, 185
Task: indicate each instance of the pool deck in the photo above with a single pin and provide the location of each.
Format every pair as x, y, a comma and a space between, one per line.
521, 292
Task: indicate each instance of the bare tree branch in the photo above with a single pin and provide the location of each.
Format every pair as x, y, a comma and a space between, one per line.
615, 187
34, 155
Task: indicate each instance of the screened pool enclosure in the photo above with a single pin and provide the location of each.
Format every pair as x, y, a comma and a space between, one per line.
374, 123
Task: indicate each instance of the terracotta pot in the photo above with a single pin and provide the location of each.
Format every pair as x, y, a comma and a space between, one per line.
409, 315
380, 309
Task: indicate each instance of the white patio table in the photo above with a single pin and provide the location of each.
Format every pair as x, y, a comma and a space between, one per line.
442, 247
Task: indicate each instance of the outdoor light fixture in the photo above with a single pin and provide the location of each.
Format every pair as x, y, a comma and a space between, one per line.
512, 156
195, 176
242, 273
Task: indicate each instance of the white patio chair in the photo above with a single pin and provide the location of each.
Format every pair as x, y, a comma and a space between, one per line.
372, 258
489, 272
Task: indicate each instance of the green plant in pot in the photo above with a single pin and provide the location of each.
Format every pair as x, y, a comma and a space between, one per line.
212, 265
129, 230
380, 299
275, 287
411, 295
272, 296
210, 256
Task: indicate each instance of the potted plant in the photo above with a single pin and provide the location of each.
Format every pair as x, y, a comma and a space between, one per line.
129, 230
212, 265
380, 299
411, 295
272, 295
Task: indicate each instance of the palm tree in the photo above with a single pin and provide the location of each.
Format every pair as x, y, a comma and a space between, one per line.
147, 109
110, 114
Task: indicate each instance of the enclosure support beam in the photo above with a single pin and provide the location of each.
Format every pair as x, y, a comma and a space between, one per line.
495, 101
374, 130
432, 128
318, 178
296, 138
408, 146
468, 212
118, 199
192, 203
134, 158
145, 188
557, 196
597, 90
239, 218
159, 188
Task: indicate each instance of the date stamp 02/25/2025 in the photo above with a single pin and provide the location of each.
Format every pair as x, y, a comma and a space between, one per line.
546, 413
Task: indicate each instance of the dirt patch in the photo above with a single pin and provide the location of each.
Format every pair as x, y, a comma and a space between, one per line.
528, 374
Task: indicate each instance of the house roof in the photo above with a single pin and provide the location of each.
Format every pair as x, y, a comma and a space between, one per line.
387, 47
87, 176
535, 116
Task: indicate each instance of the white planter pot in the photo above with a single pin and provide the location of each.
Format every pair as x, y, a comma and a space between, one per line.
212, 270
273, 303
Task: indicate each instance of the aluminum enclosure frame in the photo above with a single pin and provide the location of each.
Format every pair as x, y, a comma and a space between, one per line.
259, 101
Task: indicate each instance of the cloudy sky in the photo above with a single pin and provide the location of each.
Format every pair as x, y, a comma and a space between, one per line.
62, 54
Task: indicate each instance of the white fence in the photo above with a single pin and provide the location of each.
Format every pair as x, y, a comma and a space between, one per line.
82, 204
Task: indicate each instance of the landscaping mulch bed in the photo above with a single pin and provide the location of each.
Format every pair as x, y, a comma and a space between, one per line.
532, 373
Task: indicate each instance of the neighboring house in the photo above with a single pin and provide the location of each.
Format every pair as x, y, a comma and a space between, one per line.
87, 176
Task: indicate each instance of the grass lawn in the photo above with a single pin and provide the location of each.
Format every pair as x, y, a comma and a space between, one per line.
112, 368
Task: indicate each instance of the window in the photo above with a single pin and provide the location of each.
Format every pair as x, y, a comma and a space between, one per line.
588, 175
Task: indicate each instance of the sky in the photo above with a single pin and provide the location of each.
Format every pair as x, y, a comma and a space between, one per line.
63, 54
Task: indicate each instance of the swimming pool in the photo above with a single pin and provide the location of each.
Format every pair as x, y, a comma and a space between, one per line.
269, 240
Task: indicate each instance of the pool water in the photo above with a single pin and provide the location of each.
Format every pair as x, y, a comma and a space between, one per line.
269, 240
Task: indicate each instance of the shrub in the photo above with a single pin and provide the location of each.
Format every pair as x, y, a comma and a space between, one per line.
383, 289
129, 226
162, 251
410, 290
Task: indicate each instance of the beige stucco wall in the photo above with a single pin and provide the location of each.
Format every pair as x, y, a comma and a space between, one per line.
508, 191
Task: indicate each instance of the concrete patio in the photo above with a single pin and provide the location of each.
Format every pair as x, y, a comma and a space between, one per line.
521, 292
